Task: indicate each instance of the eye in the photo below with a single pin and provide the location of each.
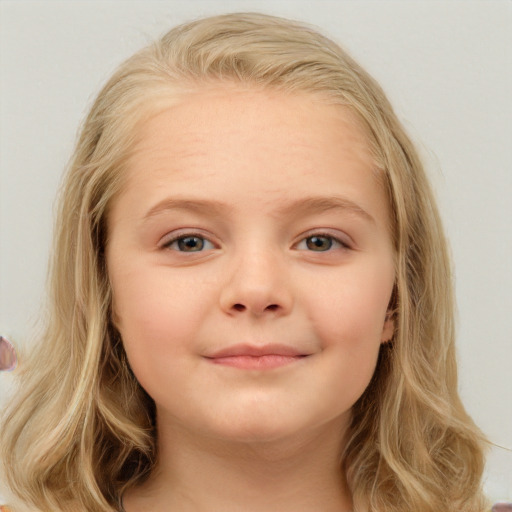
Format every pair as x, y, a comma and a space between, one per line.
189, 243
321, 243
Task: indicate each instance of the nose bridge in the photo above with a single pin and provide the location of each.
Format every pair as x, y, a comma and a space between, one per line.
257, 281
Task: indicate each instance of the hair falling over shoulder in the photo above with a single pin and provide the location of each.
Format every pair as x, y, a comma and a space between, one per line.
82, 430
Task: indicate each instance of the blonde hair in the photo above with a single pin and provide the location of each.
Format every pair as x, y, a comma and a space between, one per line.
83, 430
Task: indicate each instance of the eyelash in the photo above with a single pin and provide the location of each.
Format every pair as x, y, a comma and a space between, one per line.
175, 240
332, 239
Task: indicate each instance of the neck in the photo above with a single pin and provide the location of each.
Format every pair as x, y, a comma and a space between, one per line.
199, 474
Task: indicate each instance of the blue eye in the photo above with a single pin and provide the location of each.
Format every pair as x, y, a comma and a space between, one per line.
321, 243
189, 243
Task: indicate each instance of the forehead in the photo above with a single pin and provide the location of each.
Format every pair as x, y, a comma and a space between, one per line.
237, 139
237, 109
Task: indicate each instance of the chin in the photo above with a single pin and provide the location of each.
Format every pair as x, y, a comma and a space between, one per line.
261, 427
261, 434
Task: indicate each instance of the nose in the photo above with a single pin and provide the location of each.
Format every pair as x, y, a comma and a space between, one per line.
257, 285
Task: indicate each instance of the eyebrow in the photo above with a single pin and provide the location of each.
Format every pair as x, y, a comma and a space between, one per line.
306, 205
204, 206
323, 204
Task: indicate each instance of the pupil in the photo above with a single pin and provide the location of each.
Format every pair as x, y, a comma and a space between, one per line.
190, 243
319, 243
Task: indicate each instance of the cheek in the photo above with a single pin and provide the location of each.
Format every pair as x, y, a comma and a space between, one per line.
350, 327
351, 308
152, 317
160, 315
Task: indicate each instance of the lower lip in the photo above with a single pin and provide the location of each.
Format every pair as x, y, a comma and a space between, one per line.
265, 362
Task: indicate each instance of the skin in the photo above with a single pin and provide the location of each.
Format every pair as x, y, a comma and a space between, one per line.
232, 438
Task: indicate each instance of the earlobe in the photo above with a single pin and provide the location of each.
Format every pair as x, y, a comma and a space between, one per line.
388, 329
114, 317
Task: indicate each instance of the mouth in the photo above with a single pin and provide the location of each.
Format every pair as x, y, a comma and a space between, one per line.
251, 357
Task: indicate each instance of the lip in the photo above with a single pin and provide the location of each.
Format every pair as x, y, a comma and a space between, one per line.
253, 357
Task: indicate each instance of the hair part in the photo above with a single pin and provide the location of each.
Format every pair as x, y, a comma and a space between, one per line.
83, 430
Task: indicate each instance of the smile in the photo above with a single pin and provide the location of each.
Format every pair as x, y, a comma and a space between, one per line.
249, 357
256, 362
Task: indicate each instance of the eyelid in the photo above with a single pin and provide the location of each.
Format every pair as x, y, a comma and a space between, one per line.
343, 240
170, 238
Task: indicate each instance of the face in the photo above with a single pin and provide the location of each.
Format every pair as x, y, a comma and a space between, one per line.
251, 263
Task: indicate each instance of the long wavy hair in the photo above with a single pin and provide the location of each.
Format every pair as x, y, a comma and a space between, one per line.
82, 429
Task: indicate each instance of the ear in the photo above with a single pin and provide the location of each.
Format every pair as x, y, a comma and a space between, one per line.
388, 329
114, 317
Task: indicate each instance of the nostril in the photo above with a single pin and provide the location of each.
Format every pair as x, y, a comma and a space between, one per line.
241, 307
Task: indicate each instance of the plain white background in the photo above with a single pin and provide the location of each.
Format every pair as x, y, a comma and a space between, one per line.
446, 66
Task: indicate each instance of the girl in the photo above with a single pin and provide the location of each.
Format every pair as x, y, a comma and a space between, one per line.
251, 296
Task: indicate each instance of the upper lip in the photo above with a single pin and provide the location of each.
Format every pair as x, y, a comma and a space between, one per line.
257, 351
